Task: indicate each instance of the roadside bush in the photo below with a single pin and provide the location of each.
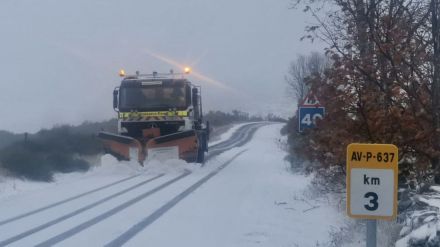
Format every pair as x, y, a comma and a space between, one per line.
49, 151
25, 162
65, 163
64, 139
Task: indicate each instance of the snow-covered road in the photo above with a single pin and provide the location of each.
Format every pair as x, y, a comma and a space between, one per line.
244, 195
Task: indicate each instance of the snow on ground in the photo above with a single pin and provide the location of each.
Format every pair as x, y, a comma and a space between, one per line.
108, 166
421, 224
255, 201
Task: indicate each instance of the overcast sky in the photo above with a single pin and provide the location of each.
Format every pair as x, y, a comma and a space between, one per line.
59, 60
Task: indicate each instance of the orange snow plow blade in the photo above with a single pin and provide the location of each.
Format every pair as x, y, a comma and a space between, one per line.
181, 145
122, 147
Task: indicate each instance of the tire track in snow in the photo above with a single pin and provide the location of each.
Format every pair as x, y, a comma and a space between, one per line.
241, 137
74, 213
234, 138
81, 227
38, 210
134, 230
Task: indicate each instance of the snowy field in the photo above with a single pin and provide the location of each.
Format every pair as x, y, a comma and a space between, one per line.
254, 201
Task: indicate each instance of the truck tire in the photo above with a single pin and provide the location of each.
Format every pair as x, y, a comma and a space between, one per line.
201, 155
203, 147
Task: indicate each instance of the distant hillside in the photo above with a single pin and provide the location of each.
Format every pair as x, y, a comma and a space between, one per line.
7, 138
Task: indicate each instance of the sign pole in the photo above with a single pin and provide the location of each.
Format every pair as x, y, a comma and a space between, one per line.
371, 233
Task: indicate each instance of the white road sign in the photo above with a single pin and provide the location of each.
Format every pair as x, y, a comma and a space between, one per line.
372, 181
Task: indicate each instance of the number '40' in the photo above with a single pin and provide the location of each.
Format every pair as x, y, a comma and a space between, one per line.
309, 120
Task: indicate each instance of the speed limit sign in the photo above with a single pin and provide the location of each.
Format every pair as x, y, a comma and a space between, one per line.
307, 116
372, 172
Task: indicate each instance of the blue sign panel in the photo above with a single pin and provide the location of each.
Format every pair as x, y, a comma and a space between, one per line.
307, 116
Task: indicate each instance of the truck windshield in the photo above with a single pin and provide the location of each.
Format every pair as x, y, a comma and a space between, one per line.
154, 97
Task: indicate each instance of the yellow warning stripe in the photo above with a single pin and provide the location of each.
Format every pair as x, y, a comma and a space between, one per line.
150, 119
153, 114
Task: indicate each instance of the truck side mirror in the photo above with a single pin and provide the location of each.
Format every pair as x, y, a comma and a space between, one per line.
195, 94
115, 99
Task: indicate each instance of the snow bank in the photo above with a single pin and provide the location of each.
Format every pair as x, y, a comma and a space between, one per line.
421, 226
13, 186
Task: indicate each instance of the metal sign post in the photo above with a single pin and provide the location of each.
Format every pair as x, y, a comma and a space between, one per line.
372, 172
371, 233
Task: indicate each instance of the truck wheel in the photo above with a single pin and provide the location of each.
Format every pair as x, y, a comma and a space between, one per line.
201, 155
205, 143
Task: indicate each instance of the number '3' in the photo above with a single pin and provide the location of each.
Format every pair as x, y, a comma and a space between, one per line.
373, 204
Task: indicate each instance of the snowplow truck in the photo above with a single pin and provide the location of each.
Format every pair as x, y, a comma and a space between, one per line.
158, 116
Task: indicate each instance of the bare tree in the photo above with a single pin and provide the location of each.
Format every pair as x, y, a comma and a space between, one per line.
435, 88
302, 68
384, 83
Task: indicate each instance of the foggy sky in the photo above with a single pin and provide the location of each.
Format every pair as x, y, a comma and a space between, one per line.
60, 59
